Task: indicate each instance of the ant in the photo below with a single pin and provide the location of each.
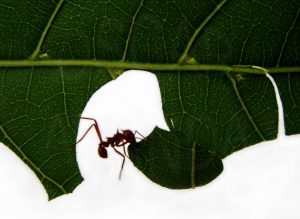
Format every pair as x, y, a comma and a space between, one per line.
120, 139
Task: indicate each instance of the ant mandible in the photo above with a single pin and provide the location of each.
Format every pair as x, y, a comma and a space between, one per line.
120, 139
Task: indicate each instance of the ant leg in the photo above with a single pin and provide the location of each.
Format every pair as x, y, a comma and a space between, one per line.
123, 145
136, 132
85, 133
96, 127
122, 162
139, 134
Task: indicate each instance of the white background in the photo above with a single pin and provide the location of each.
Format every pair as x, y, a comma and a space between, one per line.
262, 181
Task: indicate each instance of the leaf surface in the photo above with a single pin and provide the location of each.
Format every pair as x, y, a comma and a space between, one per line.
225, 113
40, 110
210, 114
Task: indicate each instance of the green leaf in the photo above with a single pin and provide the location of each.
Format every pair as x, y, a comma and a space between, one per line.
54, 54
40, 110
222, 113
174, 161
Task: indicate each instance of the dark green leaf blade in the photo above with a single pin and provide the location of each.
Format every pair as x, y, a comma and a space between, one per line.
220, 114
174, 161
289, 83
207, 109
21, 26
40, 110
227, 114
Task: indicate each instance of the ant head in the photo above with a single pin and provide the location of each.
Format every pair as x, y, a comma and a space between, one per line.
127, 132
102, 152
128, 135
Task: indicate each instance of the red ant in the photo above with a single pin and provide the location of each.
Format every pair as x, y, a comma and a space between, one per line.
120, 139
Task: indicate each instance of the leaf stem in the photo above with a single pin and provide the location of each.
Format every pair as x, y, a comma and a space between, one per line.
247, 69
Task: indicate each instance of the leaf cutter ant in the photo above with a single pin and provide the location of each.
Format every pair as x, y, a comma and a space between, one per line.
120, 139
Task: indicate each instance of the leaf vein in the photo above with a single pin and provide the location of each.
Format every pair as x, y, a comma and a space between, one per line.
286, 37
24, 156
65, 99
199, 29
131, 28
46, 30
246, 109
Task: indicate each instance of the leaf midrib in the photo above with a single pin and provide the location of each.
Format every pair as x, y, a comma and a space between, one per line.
179, 66
246, 69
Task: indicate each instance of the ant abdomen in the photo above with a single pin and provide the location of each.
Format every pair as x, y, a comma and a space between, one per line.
102, 152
